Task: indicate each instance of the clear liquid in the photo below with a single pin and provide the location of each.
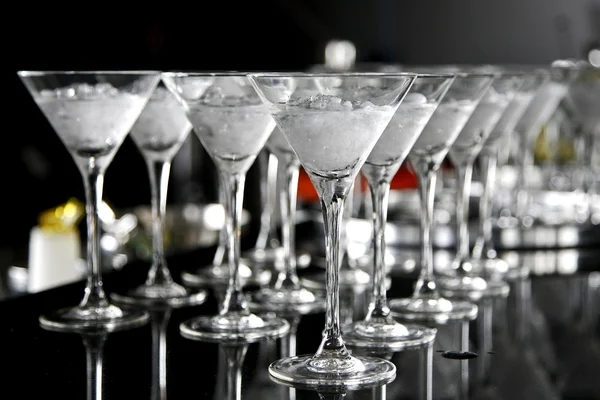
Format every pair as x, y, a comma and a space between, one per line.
401, 133
100, 122
232, 135
442, 129
333, 143
162, 126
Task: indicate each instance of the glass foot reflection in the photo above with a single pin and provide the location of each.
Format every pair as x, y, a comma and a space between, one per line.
388, 335
234, 328
334, 372
432, 310
171, 294
90, 319
472, 287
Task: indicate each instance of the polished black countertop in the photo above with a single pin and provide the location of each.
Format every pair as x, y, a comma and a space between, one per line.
544, 344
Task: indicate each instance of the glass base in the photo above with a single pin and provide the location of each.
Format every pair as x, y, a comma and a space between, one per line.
106, 318
348, 278
234, 328
169, 294
218, 275
432, 310
352, 373
471, 287
288, 302
387, 335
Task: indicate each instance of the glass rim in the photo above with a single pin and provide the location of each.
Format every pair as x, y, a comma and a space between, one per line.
32, 73
332, 74
204, 73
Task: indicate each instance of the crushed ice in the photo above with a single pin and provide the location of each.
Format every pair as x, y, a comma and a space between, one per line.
81, 91
216, 96
329, 103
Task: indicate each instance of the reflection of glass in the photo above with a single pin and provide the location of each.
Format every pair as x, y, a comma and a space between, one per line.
94, 338
158, 133
94, 348
234, 360
426, 156
91, 112
233, 126
379, 329
159, 320
465, 281
332, 122
484, 255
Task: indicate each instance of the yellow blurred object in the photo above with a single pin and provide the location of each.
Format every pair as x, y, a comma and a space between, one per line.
63, 218
541, 150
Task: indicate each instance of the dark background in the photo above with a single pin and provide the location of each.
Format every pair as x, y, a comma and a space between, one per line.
37, 171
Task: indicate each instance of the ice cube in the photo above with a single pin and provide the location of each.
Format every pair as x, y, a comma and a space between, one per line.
106, 89
84, 90
65, 93
414, 98
47, 93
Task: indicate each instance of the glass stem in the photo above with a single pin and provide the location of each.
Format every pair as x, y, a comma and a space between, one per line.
233, 184
427, 177
288, 277
94, 292
222, 246
380, 192
333, 195
484, 245
158, 171
268, 182
94, 346
235, 359
347, 263
463, 194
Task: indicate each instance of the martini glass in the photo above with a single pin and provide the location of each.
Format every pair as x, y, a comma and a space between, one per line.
332, 122
379, 329
426, 157
484, 256
287, 295
466, 281
91, 112
233, 126
158, 133
537, 114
